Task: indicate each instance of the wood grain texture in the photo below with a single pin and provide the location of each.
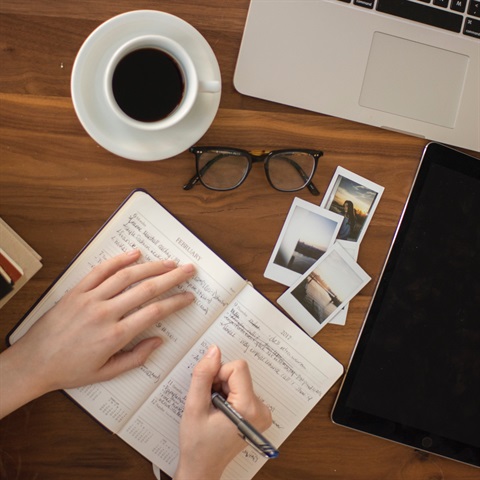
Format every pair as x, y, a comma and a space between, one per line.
58, 187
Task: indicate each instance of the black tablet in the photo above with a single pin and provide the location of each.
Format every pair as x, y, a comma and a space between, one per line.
414, 377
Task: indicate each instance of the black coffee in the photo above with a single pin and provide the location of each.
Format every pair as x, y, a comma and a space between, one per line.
147, 84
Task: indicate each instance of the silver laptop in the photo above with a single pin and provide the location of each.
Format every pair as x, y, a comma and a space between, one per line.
405, 65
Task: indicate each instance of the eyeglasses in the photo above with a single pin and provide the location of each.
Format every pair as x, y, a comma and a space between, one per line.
222, 168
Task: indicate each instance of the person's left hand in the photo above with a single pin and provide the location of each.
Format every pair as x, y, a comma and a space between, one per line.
79, 340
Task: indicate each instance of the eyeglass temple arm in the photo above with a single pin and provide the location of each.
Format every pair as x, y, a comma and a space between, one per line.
192, 182
311, 187
196, 178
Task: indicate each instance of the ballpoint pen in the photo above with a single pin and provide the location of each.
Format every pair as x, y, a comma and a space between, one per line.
248, 432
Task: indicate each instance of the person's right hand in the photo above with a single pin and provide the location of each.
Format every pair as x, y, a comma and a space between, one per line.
208, 439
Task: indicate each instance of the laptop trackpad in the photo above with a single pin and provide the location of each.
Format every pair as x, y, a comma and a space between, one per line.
414, 80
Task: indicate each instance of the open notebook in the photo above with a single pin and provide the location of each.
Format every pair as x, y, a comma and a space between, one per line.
291, 372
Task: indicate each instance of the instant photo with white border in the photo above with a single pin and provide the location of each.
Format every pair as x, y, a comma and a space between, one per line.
354, 198
352, 249
324, 290
308, 232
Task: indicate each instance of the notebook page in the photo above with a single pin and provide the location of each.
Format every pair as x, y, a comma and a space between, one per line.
143, 223
290, 372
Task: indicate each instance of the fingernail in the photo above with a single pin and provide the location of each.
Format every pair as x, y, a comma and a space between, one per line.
188, 268
158, 342
212, 351
190, 296
132, 253
169, 263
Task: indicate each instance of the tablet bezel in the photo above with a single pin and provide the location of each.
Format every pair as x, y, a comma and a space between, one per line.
342, 414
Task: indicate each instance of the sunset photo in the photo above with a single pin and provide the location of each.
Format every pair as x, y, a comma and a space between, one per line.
355, 199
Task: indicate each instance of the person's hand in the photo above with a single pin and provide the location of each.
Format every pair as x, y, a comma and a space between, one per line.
79, 341
208, 439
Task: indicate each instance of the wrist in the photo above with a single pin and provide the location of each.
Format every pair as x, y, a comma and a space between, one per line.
197, 471
20, 381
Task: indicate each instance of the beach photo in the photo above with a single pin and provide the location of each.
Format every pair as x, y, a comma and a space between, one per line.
324, 290
308, 232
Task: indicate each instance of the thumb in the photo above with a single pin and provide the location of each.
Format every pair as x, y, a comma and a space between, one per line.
199, 396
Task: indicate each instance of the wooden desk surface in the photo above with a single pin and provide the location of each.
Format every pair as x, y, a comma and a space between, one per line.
58, 186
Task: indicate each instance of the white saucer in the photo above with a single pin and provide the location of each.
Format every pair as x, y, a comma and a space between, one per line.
91, 106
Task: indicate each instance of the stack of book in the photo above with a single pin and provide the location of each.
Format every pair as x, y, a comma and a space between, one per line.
18, 262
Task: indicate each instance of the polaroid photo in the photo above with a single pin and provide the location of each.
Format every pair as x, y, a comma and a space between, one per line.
308, 232
352, 249
354, 198
324, 290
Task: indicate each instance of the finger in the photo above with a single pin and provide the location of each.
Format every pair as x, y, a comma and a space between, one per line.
145, 317
237, 384
199, 398
126, 277
236, 379
150, 289
106, 269
124, 361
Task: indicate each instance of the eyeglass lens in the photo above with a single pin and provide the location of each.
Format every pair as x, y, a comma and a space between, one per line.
287, 171
222, 170
290, 171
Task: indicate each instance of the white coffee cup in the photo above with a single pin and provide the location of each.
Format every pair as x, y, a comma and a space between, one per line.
169, 104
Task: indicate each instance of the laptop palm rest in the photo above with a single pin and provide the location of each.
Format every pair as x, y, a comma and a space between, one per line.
406, 78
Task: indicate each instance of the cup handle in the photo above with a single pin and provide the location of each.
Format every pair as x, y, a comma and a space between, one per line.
209, 86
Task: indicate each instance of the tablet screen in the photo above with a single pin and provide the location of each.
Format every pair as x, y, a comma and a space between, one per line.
415, 374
